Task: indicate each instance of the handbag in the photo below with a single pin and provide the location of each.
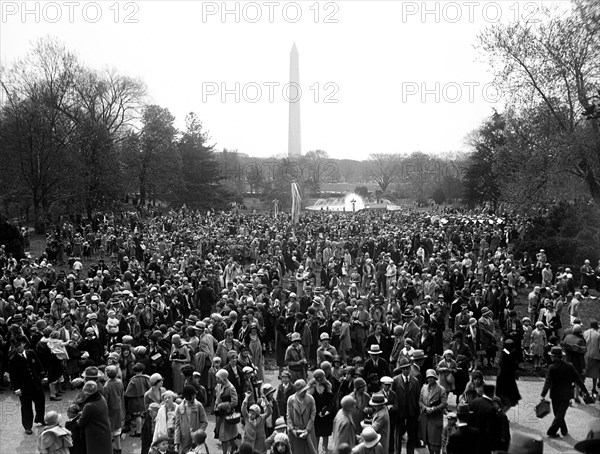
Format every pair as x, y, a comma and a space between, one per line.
233, 418
588, 399
450, 378
542, 409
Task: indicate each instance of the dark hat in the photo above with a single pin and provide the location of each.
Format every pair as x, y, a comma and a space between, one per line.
403, 363
556, 351
463, 410
592, 442
187, 370
22, 340
477, 374
90, 372
521, 443
408, 314
489, 390
188, 392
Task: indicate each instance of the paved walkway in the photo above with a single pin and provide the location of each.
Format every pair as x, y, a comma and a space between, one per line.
13, 439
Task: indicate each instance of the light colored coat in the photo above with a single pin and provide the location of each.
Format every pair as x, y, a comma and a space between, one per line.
254, 430
226, 395
381, 424
344, 430
592, 339
362, 449
186, 424
55, 440
301, 416
432, 424
113, 392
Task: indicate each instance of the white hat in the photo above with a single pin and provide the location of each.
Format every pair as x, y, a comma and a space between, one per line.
385, 380
155, 378
370, 437
281, 438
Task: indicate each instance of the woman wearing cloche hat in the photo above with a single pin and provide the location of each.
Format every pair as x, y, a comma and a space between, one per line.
433, 403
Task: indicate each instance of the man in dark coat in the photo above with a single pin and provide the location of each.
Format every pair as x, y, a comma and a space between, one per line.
484, 417
95, 421
560, 378
26, 373
466, 438
392, 398
376, 364
408, 392
205, 298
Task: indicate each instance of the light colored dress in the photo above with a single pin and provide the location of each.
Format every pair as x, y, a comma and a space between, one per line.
538, 341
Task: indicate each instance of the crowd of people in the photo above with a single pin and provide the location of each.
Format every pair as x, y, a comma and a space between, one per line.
381, 325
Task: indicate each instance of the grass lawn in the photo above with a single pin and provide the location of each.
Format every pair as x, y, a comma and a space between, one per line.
589, 310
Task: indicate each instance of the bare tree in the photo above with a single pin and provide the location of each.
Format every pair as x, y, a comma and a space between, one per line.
384, 169
554, 64
35, 132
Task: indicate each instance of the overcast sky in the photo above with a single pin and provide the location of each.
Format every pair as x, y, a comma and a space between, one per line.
405, 75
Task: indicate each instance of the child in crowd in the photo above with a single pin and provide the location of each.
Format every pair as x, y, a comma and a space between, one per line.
160, 446
538, 342
526, 344
77, 433
254, 427
54, 439
199, 438
446, 369
212, 380
137, 387
280, 428
448, 430
281, 445
552, 342
147, 429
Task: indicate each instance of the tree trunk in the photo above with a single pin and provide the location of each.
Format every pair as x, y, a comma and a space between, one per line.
38, 215
142, 189
590, 180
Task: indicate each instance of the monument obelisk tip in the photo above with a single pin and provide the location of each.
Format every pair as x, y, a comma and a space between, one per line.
294, 93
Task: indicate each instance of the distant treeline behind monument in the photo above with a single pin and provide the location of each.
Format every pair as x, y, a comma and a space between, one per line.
77, 140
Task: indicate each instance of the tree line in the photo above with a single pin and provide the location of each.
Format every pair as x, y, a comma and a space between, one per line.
544, 147
76, 140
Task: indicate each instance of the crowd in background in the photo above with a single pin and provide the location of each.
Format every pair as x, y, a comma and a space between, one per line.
381, 325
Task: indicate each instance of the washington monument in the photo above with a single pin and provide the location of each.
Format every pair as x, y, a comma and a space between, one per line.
294, 93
